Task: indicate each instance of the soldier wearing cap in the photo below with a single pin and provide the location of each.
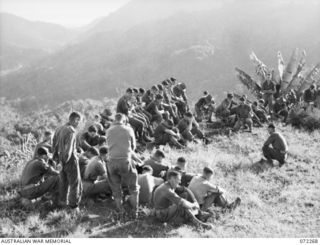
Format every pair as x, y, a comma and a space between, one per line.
279, 148
39, 178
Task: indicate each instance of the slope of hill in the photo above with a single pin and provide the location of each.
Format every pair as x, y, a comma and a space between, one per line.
276, 202
23, 41
200, 48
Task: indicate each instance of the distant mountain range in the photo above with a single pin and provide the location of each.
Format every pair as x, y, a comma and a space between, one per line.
138, 46
24, 41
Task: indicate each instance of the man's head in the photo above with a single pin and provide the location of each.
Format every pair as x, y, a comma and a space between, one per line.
74, 119
261, 102
97, 117
92, 152
168, 123
154, 89
230, 96
165, 84
106, 113
207, 173
268, 76
103, 152
43, 153
181, 163
92, 130
119, 118
160, 87
174, 178
312, 87
102, 140
188, 115
147, 170
142, 91
255, 104
173, 80
208, 98
159, 98
135, 91
271, 128
159, 155
182, 86
129, 92
242, 100
48, 136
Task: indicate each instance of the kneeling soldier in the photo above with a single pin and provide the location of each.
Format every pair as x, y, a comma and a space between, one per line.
39, 178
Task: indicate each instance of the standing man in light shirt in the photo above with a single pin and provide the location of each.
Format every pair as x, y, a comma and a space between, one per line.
64, 152
121, 143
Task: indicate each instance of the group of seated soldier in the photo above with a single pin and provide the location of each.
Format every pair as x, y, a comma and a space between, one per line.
158, 116
161, 115
273, 104
172, 202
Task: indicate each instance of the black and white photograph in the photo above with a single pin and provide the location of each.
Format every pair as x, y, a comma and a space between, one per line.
159, 119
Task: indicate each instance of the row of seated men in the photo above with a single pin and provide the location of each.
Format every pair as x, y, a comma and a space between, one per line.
161, 114
159, 117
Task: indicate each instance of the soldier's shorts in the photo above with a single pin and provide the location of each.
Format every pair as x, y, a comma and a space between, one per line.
122, 171
175, 213
50, 185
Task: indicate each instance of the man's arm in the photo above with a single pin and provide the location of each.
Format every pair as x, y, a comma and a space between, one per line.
268, 141
133, 139
69, 144
84, 144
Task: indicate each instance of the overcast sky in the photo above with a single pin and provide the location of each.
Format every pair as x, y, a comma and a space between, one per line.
71, 13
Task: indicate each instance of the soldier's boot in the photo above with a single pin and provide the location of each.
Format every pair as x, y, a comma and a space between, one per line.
196, 221
234, 204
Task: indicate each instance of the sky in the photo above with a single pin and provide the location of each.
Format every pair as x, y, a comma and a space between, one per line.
70, 13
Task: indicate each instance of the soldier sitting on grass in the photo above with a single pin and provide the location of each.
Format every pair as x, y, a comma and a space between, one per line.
155, 162
147, 184
95, 176
170, 207
207, 194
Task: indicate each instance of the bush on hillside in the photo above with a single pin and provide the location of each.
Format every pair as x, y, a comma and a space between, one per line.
305, 120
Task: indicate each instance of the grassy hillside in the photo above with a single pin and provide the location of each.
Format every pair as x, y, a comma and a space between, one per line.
276, 202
